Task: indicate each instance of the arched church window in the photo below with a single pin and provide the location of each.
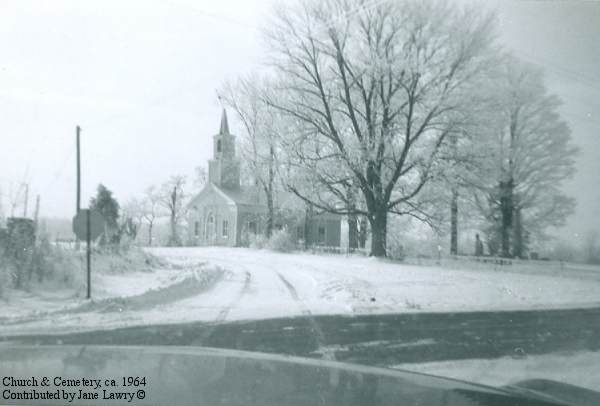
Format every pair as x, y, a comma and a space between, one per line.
218, 145
210, 226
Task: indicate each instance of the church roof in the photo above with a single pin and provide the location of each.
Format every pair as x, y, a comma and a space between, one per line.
246, 195
224, 124
254, 196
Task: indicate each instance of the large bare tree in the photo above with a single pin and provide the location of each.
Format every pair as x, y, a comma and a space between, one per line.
372, 90
530, 153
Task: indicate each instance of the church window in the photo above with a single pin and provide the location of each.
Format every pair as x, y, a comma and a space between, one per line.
196, 228
225, 228
210, 227
218, 145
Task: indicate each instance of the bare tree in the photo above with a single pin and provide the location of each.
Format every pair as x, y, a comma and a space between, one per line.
530, 153
132, 216
17, 196
151, 209
172, 198
259, 146
464, 161
371, 95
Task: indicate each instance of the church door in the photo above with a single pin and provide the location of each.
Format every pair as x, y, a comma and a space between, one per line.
210, 229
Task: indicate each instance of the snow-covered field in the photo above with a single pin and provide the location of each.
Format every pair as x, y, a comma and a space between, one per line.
217, 284
579, 369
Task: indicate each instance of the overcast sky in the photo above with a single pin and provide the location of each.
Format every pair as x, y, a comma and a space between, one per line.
140, 78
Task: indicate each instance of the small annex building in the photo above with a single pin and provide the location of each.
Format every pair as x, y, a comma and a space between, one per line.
228, 214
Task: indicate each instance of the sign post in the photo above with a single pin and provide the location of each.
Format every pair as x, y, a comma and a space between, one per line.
88, 253
88, 225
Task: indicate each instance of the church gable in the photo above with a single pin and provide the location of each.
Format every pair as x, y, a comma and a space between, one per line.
211, 195
212, 218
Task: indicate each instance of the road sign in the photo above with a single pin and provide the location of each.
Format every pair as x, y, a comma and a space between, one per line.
80, 224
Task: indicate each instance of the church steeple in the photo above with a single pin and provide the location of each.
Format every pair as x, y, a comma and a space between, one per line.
224, 168
224, 124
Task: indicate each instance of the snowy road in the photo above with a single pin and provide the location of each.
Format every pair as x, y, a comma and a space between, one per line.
217, 285
263, 284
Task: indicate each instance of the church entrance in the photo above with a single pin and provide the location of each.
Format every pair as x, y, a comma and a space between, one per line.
211, 234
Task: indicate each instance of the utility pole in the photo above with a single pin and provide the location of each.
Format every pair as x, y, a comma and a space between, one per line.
78, 131
86, 222
88, 254
78, 159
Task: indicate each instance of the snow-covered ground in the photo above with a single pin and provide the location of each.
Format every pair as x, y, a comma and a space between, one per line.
50, 308
217, 284
579, 369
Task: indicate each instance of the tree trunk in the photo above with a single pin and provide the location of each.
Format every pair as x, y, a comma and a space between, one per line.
269, 192
378, 222
149, 234
174, 239
454, 223
506, 207
362, 233
270, 215
352, 232
518, 235
307, 219
352, 220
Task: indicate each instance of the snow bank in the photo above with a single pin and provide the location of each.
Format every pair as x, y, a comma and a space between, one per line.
119, 283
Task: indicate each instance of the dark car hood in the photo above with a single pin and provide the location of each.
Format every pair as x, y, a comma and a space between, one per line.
204, 376
556, 391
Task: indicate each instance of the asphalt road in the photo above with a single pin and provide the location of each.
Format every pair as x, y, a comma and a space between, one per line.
373, 340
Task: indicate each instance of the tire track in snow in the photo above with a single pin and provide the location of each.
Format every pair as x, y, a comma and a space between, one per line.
225, 311
334, 282
205, 336
319, 335
231, 265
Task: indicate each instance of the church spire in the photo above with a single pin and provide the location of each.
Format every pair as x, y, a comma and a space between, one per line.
224, 124
224, 168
